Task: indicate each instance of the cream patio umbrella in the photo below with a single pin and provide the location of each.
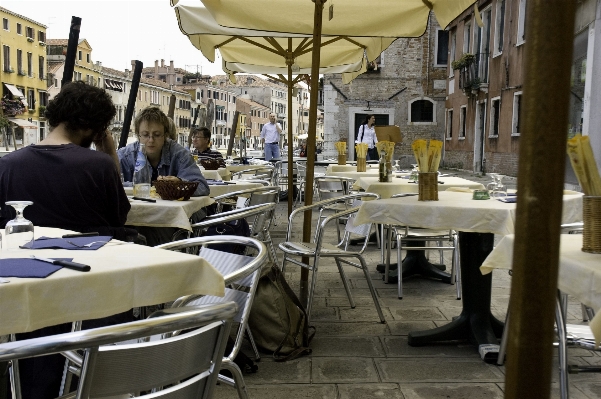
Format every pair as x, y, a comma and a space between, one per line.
542, 144
274, 53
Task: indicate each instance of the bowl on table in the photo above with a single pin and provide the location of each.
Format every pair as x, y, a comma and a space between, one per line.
173, 190
210, 164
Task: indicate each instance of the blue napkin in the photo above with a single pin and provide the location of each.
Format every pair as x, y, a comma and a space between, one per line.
28, 268
509, 200
65, 243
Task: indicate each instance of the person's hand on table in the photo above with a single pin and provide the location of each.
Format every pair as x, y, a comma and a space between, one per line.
171, 178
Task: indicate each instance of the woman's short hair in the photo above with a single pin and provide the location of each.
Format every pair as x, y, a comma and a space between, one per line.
152, 114
81, 106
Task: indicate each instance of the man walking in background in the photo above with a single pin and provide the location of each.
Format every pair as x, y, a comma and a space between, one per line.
271, 138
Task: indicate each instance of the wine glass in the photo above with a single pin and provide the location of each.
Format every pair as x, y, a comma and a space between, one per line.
397, 167
19, 231
414, 173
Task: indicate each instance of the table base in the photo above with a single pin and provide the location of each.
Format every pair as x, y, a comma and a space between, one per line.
475, 323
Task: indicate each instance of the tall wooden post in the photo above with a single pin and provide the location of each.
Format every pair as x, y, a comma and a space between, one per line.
289, 62
317, 20
540, 184
131, 102
71, 51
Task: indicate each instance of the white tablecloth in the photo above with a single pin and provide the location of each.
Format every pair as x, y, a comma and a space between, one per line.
211, 174
579, 272
400, 185
165, 213
123, 276
456, 210
217, 190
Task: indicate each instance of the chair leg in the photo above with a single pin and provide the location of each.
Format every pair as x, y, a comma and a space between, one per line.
399, 266
239, 383
503, 346
563, 352
269, 242
345, 283
456, 265
15, 380
371, 288
312, 289
249, 334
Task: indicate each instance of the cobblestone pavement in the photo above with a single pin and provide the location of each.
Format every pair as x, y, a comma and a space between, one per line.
355, 356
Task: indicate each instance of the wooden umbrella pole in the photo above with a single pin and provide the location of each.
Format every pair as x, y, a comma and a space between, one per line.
540, 184
290, 152
317, 20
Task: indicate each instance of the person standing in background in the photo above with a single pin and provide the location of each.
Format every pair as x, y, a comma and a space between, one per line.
367, 134
270, 134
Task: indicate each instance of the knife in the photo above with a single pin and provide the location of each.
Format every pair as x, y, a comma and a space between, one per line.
144, 199
90, 234
80, 267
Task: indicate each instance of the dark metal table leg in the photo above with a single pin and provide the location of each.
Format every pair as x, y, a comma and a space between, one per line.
475, 323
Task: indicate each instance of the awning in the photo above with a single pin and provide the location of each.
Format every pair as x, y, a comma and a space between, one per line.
23, 123
15, 92
108, 84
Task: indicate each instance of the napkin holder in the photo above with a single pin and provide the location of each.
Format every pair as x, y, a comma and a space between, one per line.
427, 183
361, 164
591, 212
341, 159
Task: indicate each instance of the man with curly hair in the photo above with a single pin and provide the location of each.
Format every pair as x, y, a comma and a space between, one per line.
72, 187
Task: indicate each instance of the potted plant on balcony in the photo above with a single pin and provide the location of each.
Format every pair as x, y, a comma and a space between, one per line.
466, 60
12, 107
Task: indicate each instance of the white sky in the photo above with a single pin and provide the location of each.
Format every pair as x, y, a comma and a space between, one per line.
120, 31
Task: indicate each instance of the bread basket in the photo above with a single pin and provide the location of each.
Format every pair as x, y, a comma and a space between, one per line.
173, 190
210, 164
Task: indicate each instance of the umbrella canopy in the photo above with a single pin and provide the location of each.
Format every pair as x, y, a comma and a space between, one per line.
262, 52
382, 18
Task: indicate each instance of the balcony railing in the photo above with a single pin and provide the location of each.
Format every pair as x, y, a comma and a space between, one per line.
474, 75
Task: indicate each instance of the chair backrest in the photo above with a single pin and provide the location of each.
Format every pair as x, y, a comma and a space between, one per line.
241, 273
126, 369
332, 186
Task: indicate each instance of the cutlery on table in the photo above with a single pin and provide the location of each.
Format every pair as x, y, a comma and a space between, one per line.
88, 245
65, 263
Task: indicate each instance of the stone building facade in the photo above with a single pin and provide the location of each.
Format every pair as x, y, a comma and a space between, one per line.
404, 87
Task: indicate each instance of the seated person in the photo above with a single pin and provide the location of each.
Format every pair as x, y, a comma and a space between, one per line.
168, 159
72, 187
201, 141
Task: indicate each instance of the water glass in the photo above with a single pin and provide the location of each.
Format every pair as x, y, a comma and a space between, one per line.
142, 190
19, 231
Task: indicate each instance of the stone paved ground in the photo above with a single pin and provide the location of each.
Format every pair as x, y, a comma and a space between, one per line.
354, 356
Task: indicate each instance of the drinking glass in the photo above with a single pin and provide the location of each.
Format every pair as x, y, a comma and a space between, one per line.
496, 188
414, 173
19, 231
397, 167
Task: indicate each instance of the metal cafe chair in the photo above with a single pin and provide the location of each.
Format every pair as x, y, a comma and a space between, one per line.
259, 225
188, 363
241, 274
329, 187
405, 234
318, 248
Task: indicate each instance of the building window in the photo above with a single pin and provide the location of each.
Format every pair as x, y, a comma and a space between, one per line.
29, 32
499, 26
208, 93
88, 58
521, 23
442, 48
467, 36
483, 45
197, 96
41, 36
41, 64
19, 29
5, 23
449, 124
79, 55
42, 130
20, 62
495, 114
6, 58
462, 121
31, 98
517, 105
43, 98
30, 65
421, 111
452, 52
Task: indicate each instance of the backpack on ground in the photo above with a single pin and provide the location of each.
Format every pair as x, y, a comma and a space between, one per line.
278, 320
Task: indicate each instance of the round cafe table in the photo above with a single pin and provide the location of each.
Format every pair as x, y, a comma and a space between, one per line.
477, 223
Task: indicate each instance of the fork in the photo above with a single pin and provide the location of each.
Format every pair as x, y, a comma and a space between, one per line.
88, 245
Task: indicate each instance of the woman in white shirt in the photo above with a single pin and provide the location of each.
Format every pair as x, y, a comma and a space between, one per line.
367, 134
